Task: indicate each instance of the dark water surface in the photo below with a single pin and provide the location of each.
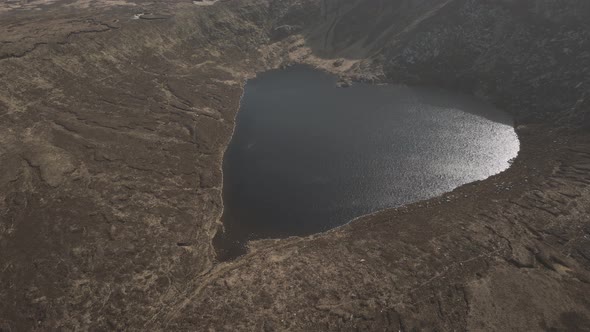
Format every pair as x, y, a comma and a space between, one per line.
307, 156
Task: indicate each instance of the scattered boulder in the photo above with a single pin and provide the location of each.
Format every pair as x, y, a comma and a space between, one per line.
344, 82
284, 31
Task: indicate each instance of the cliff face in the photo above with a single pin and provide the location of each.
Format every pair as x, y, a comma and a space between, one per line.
530, 57
114, 119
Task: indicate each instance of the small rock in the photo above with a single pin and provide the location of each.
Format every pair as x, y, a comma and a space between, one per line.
344, 83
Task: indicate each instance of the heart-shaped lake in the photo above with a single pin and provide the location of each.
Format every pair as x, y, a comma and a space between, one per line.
307, 156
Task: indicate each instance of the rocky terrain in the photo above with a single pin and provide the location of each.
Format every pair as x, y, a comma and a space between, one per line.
114, 117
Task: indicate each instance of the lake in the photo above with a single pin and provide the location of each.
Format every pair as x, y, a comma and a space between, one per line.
307, 156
